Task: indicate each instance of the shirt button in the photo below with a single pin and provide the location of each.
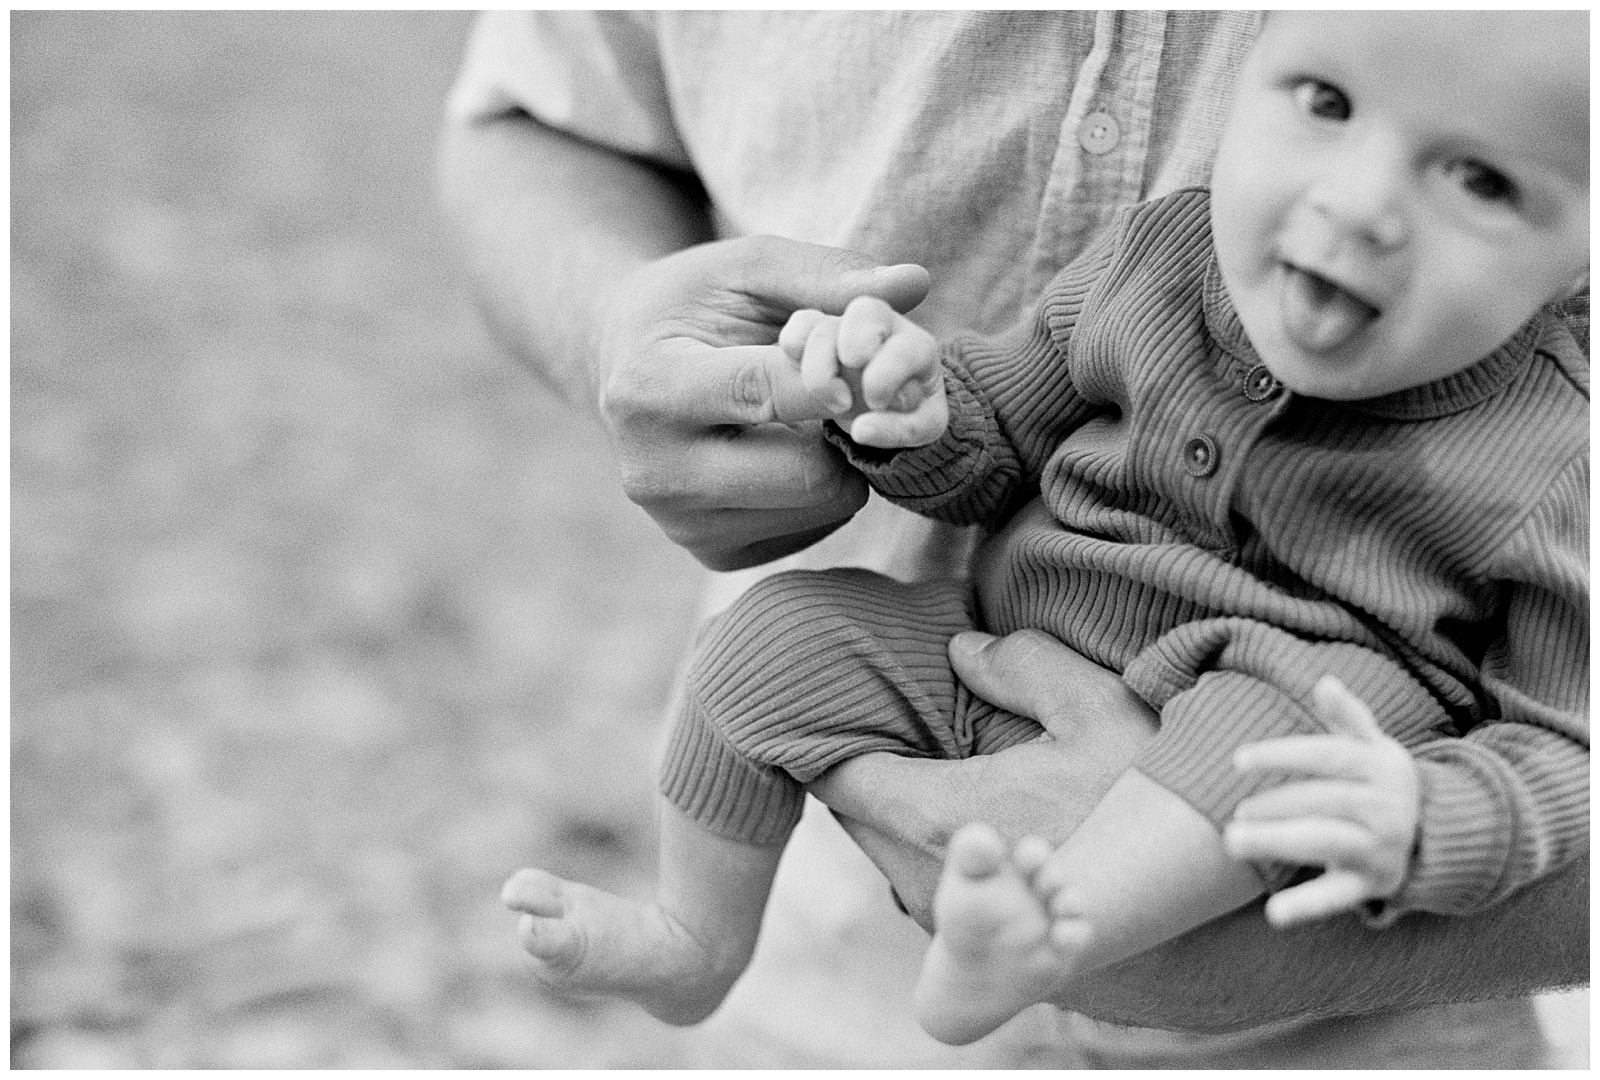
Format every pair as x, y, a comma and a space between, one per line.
1200, 456
1259, 383
1099, 133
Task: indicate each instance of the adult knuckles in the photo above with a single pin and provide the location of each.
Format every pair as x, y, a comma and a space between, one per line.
660, 482
808, 273
749, 394
632, 392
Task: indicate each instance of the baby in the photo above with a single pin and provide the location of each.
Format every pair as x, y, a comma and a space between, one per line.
1304, 457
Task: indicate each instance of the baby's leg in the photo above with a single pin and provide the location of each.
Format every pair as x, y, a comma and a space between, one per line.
1144, 867
677, 956
808, 670
802, 672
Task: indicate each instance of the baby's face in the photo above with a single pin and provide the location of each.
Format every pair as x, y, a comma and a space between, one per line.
1396, 193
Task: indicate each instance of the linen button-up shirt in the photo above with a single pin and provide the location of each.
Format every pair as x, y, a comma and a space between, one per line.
976, 143
988, 146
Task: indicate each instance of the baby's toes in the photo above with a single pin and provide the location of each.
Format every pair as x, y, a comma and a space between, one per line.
976, 851
555, 945
533, 892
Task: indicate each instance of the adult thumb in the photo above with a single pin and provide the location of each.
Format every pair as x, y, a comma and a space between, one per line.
1033, 674
796, 275
1011, 672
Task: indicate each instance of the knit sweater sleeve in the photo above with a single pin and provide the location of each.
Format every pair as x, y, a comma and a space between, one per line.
1012, 401
1509, 802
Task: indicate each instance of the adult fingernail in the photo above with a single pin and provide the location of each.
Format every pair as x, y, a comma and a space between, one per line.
971, 641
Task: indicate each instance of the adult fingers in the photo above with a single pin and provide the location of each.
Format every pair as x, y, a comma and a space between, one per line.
740, 385
1333, 892
1032, 674
745, 538
687, 385
1019, 672
792, 275
1342, 713
771, 467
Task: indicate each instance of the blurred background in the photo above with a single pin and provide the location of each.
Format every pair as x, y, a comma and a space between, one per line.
325, 617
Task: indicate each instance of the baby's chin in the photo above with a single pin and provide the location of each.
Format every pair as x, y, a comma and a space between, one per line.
1326, 378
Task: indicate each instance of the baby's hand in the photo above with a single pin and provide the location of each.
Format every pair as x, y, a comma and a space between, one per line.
1356, 813
877, 370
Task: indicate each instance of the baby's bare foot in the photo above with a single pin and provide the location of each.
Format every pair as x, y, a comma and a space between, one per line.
997, 948
580, 939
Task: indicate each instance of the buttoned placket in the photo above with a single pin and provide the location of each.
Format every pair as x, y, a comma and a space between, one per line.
1101, 151
1216, 447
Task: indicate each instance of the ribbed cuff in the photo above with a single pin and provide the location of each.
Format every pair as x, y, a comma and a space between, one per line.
1192, 755
721, 790
926, 476
1464, 841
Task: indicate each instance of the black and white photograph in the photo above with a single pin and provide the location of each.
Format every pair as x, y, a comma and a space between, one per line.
800, 539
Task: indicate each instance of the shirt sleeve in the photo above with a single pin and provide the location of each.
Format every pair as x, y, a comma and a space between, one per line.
1012, 401
1509, 802
593, 74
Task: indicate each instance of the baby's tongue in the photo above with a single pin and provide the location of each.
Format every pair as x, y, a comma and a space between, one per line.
1318, 315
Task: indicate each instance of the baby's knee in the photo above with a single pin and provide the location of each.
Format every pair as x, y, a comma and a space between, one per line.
779, 614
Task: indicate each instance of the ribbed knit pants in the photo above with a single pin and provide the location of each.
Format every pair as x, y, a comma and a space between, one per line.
807, 669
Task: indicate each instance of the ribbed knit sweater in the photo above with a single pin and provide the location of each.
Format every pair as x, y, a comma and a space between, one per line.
1167, 509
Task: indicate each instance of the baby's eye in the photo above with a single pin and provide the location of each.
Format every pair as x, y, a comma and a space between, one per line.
1322, 100
1482, 182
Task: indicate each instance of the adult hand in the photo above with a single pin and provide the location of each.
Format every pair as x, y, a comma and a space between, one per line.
902, 811
1234, 972
716, 437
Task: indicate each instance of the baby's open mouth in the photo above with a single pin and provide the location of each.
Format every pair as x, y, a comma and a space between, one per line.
1319, 315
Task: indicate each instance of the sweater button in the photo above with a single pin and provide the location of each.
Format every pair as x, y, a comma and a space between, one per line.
1200, 456
1259, 383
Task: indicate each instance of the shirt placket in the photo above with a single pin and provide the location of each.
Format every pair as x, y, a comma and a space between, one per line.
1099, 163
1216, 442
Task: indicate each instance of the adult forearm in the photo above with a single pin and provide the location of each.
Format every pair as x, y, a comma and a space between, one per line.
1237, 972
1234, 972
547, 225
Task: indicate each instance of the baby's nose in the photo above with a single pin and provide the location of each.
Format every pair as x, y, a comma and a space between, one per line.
1362, 196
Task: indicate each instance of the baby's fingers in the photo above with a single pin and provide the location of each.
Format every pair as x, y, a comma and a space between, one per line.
1330, 894
819, 364
1332, 756
1342, 713
894, 430
904, 371
1313, 841
867, 323
792, 338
